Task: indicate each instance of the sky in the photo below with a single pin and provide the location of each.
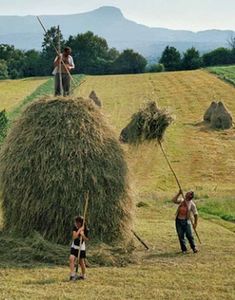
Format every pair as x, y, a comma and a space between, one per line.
175, 14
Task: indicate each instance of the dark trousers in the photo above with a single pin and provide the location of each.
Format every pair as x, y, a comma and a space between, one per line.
183, 228
65, 84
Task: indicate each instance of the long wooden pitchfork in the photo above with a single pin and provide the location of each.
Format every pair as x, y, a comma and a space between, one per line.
84, 220
177, 180
58, 53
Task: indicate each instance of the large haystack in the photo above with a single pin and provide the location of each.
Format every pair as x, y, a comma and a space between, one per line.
221, 118
148, 124
57, 151
209, 111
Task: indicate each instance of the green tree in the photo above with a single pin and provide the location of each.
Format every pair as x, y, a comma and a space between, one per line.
155, 68
191, 59
3, 69
51, 37
90, 52
129, 62
219, 56
170, 59
6, 51
32, 64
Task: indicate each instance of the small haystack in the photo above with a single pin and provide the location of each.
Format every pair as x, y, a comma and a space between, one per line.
57, 151
149, 123
209, 111
94, 97
221, 118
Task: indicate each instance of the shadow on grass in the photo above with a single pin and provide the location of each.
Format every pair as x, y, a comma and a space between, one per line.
206, 127
41, 282
163, 255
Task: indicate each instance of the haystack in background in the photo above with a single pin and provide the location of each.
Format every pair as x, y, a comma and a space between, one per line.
57, 151
149, 123
94, 97
221, 118
209, 111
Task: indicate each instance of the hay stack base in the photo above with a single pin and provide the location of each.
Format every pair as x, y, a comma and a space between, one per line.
221, 118
210, 110
57, 151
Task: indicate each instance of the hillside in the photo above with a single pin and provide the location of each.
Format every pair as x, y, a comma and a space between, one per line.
203, 159
200, 157
109, 22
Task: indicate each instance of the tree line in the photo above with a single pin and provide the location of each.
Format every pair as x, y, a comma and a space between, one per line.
93, 56
172, 60
90, 52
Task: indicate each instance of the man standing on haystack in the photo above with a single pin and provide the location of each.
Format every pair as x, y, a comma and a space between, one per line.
63, 65
183, 220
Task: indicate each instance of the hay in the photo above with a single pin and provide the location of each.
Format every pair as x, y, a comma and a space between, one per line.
221, 118
209, 111
3, 125
94, 97
58, 150
149, 123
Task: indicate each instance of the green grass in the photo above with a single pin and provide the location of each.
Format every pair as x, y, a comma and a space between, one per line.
226, 73
223, 208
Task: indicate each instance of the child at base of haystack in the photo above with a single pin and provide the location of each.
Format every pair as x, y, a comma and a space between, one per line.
79, 231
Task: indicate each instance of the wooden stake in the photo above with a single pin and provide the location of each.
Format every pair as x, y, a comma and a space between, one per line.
59, 69
139, 239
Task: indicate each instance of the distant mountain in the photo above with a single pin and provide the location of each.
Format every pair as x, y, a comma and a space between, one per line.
109, 22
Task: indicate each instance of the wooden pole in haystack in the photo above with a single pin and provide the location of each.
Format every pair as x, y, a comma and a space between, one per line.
59, 50
58, 53
139, 239
83, 225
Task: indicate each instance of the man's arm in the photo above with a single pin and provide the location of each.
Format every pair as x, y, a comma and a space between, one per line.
175, 199
57, 61
195, 221
71, 65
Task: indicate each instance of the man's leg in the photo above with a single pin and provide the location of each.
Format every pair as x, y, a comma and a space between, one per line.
66, 84
189, 236
57, 85
180, 228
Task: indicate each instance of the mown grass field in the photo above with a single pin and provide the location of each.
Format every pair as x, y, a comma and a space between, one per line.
12, 92
203, 159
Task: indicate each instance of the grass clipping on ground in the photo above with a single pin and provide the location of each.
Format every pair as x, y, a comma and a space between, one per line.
57, 151
148, 124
